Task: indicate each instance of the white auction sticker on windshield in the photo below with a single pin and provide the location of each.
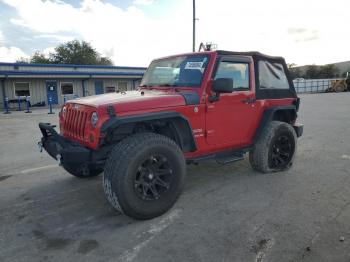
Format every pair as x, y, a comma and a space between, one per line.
194, 65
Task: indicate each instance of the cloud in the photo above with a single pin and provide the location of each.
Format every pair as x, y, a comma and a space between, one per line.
61, 38
48, 51
44, 16
133, 36
143, 2
303, 34
11, 54
293, 30
130, 36
301, 31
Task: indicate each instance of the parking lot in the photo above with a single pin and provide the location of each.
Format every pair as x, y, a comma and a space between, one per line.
226, 213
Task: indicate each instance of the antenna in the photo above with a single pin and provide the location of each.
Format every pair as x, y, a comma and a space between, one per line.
194, 27
209, 46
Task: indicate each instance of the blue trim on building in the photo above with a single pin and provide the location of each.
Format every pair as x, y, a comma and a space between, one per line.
2, 83
70, 66
14, 73
83, 86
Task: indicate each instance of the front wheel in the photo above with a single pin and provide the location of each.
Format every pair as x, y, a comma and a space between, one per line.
275, 149
144, 175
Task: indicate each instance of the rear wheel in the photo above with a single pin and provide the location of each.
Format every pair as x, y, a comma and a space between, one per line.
275, 149
144, 175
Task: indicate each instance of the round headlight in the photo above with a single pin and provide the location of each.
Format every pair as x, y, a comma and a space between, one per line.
94, 119
64, 111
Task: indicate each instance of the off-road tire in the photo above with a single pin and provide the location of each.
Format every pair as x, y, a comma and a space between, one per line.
83, 172
260, 156
123, 165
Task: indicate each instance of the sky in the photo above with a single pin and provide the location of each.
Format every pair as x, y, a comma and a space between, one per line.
133, 32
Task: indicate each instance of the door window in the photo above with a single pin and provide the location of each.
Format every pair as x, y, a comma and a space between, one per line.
238, 71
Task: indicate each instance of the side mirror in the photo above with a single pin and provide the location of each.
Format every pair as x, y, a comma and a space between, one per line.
223, 85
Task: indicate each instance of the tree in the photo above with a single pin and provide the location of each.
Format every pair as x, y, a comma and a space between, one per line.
328, 71
296, 72
39, 58
72, 52
75, 52
312, 72
317, 72
291, 65
23, 60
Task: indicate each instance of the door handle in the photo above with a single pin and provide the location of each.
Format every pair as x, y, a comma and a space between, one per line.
249, 100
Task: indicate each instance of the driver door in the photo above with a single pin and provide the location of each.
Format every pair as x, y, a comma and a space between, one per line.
231, 120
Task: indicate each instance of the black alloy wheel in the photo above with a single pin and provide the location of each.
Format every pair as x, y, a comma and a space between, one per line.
153, 178
281, 152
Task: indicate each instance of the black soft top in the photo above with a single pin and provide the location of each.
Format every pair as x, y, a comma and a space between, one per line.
266, 93
256, 55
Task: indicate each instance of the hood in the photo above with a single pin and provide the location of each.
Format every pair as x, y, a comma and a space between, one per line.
134, 100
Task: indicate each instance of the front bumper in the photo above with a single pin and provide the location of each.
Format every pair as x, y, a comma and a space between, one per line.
69, 154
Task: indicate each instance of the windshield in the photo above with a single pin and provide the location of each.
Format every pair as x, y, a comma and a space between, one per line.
185, 70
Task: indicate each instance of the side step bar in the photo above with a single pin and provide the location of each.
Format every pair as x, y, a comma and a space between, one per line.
227, 160
222, 157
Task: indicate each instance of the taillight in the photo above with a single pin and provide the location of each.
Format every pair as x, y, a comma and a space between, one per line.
297, 103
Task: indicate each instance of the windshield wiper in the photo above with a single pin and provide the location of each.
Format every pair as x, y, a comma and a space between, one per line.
241, 88
159, 85
169, 85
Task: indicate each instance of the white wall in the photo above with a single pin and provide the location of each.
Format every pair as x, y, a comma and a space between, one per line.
37, 87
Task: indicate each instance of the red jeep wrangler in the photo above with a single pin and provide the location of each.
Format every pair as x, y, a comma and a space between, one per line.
190, 107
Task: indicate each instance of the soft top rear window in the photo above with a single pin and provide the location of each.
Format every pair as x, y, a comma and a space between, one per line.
272, 76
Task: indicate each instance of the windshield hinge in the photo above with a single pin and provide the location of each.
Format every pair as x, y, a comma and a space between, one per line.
210, 107
111, 111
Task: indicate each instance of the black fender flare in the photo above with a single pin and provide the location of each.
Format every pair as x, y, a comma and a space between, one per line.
268, 116
179, 124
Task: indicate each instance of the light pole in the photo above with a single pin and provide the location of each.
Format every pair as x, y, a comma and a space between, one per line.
194, 27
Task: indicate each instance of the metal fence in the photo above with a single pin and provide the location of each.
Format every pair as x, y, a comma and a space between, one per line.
312, 85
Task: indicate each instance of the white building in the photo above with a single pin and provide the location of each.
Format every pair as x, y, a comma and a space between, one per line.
60, 82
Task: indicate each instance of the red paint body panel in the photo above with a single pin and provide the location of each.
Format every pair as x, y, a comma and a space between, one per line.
134, 100
226, 124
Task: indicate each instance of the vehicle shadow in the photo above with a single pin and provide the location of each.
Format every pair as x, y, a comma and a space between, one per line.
57, 211
69, 200
67, 205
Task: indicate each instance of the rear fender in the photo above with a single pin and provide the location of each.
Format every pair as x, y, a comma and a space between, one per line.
286, 114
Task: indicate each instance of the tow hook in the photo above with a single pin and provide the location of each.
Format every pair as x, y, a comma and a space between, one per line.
40, 146
59, 157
